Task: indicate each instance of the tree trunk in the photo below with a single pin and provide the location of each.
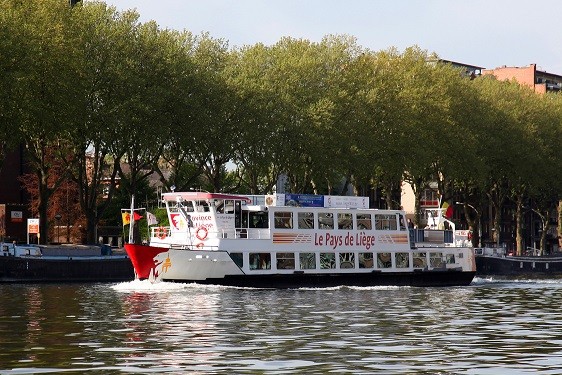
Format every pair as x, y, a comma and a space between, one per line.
43, 205
497, 222
560, 223
519, 242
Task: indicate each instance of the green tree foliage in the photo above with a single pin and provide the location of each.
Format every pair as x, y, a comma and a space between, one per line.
114, 99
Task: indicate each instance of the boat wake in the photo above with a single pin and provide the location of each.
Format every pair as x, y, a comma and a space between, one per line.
514, 280
148, 286
159, 286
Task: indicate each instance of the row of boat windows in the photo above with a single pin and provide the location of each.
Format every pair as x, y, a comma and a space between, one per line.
342, 260
338, 220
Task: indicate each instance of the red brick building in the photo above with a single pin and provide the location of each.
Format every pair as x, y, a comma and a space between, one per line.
538, 80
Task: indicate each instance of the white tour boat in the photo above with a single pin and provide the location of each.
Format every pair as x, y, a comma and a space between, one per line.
276, 242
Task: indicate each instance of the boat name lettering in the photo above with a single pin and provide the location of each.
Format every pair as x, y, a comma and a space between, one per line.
334, 241
201, 218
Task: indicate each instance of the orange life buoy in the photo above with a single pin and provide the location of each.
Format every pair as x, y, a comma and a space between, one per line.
160, 232
201, 233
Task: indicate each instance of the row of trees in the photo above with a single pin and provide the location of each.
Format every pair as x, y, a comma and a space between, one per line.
97, 96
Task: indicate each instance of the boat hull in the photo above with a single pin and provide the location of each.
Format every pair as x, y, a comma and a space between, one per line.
518, 266
416, 279
20, 269
217, 268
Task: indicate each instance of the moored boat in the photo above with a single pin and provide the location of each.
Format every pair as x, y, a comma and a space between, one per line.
273, 242
65, 263
496, 262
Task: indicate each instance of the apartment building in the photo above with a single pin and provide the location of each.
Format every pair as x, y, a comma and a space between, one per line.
540, 81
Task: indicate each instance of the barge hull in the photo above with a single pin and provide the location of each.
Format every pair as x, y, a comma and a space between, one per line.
27, 270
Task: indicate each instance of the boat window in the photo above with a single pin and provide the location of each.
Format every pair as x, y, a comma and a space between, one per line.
285, 261
306, 220
201, 206
258, 219
307, 261
385, 222
384, 260
364, 221
365, 260
238, 259
327, 260
450, 258
345, 221
283, 219
420, 260
347, 260
402, 222
402, 260
225, 206
325, 220
260, 261
436, 259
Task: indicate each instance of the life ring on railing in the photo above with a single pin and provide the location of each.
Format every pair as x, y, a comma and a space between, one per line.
201, 233
199, 245
160, 232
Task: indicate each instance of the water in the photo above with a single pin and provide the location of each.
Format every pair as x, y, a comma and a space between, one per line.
490, 327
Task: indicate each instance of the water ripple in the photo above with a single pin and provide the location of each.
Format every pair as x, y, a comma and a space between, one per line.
491, 327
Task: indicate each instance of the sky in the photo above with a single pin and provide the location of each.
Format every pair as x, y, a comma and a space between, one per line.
484, 33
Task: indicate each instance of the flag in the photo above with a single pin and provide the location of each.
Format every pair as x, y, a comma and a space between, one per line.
126, 216
447, 210
151, 219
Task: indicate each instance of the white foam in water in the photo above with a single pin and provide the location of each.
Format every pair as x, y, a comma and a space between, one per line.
513, 280
148, 286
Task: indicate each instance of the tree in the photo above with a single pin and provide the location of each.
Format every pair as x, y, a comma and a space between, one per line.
44, 91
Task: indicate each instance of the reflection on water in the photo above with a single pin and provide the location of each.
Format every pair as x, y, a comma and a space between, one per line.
490, 327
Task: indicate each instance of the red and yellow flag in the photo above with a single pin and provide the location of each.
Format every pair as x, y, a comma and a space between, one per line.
447, 210
126, 216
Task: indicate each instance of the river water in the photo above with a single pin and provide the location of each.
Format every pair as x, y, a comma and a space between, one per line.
489, 327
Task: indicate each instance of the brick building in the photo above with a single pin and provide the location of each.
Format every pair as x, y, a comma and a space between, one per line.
14, 201
538, 80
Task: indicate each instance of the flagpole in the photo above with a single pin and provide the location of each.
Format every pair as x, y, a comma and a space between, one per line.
148, 226
132, 219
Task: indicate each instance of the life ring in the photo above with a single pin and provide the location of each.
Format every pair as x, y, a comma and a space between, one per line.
199, 245
160, 232
201, 233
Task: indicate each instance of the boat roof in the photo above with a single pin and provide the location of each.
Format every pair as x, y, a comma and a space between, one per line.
201, 195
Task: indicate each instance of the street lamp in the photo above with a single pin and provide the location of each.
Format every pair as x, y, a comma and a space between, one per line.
479, 221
